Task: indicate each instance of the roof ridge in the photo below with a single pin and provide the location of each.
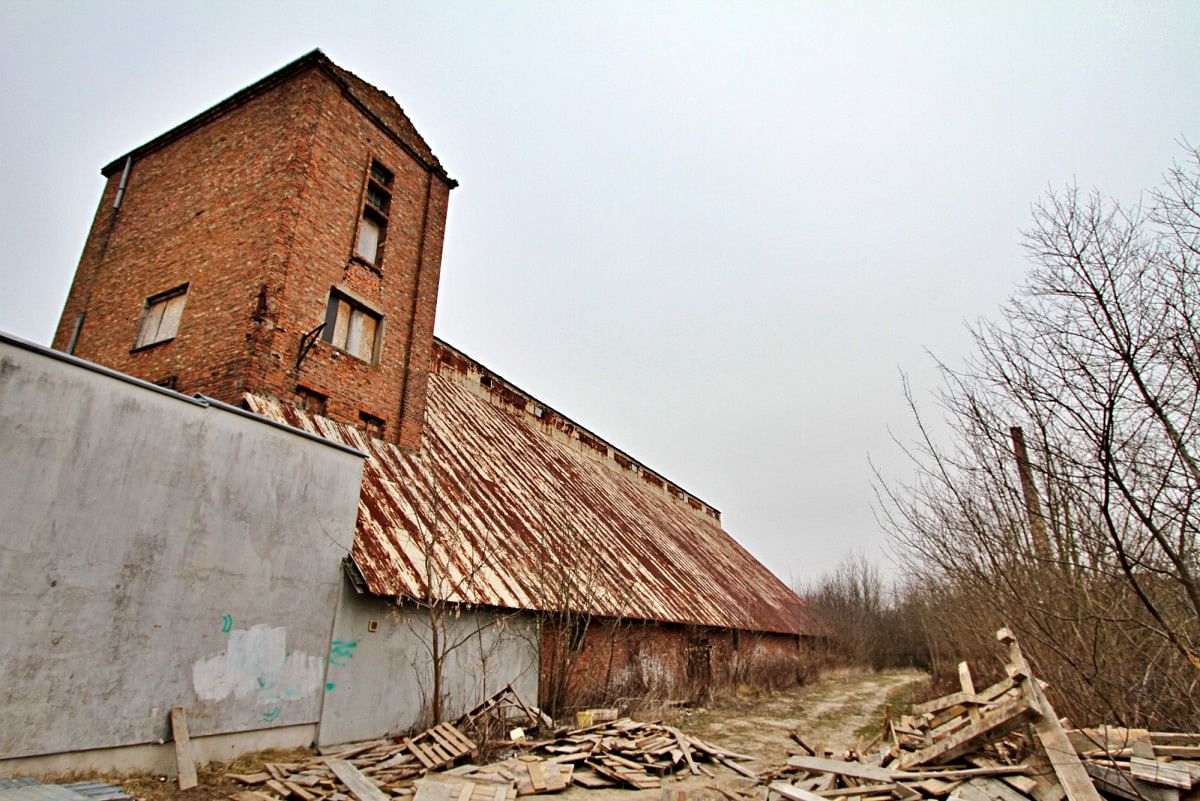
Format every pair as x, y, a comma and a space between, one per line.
399, 126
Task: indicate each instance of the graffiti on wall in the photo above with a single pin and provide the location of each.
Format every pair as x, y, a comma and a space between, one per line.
258, 668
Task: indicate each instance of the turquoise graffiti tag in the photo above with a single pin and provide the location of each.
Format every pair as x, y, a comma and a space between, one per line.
342, 651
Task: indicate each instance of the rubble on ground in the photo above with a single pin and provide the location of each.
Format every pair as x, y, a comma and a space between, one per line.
1003, 743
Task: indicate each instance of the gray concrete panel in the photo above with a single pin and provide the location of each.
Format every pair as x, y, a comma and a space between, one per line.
381, 681
158, 552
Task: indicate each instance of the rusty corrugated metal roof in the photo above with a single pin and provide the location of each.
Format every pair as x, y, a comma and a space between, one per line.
494, 511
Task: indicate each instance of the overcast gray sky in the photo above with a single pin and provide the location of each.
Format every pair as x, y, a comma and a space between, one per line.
713, 233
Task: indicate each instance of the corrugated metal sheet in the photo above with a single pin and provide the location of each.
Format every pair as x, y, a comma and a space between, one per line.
494, 511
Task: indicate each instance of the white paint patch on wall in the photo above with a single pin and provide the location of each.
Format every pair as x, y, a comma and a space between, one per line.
257, 665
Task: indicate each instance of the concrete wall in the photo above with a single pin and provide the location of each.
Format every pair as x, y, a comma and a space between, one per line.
158, 552
379, 681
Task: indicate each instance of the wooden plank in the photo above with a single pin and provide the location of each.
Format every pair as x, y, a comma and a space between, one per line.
348, 750
249, 778
686, 751
968, 687
183, 749
855, 769
996, 789
729, 763
592, 781
465, 793
1175, 738
431, 790
1178, 751
862, 789
960, 773
537, 776
1123, 785
278, 789
1070, 771
300, 792
1156, 772
946, 702
793, 793
251, 795
1019, 782
359, 785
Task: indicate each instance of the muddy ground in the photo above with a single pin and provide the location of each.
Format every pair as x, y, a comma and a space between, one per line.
839, 711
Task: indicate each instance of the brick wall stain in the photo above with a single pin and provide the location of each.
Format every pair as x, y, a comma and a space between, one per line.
256, 212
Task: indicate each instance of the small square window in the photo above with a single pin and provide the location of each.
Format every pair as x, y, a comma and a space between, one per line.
161, 320
372, 425
311, 401
352, 327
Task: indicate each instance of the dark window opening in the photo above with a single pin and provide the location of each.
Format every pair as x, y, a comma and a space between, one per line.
311, 401
371, 425
577, 634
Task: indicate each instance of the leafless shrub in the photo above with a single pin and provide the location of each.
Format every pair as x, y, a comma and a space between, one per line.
866, 620
1093, 562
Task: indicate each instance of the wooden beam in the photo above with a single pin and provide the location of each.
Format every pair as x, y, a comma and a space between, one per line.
359, 785
1070, 771
835, 766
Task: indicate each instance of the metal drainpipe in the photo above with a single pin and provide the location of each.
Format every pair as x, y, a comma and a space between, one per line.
124, 182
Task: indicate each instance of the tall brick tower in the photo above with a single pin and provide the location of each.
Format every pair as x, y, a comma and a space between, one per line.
286, 241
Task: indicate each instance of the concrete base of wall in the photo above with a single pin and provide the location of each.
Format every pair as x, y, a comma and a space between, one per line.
155, 758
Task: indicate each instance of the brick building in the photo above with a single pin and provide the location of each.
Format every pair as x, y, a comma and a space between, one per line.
286, 241
281, 252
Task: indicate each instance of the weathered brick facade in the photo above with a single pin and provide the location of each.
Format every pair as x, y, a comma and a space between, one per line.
254, 206
622, 659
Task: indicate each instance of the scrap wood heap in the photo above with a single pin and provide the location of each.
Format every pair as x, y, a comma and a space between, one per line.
432, 765
1004, 743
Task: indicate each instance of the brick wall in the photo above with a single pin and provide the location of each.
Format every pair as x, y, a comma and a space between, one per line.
632, 660
257, 211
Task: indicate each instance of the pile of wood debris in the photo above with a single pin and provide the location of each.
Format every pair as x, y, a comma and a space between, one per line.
1004, 743
433, 766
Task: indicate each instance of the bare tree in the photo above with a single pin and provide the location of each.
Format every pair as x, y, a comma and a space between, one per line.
1097, 359
449, 565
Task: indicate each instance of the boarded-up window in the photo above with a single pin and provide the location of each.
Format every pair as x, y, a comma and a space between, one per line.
368, 239
163, 313
352, 327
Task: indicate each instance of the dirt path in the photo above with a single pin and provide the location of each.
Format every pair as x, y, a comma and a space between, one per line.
830, 711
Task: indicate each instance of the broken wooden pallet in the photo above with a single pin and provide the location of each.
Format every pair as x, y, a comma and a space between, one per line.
439, 747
